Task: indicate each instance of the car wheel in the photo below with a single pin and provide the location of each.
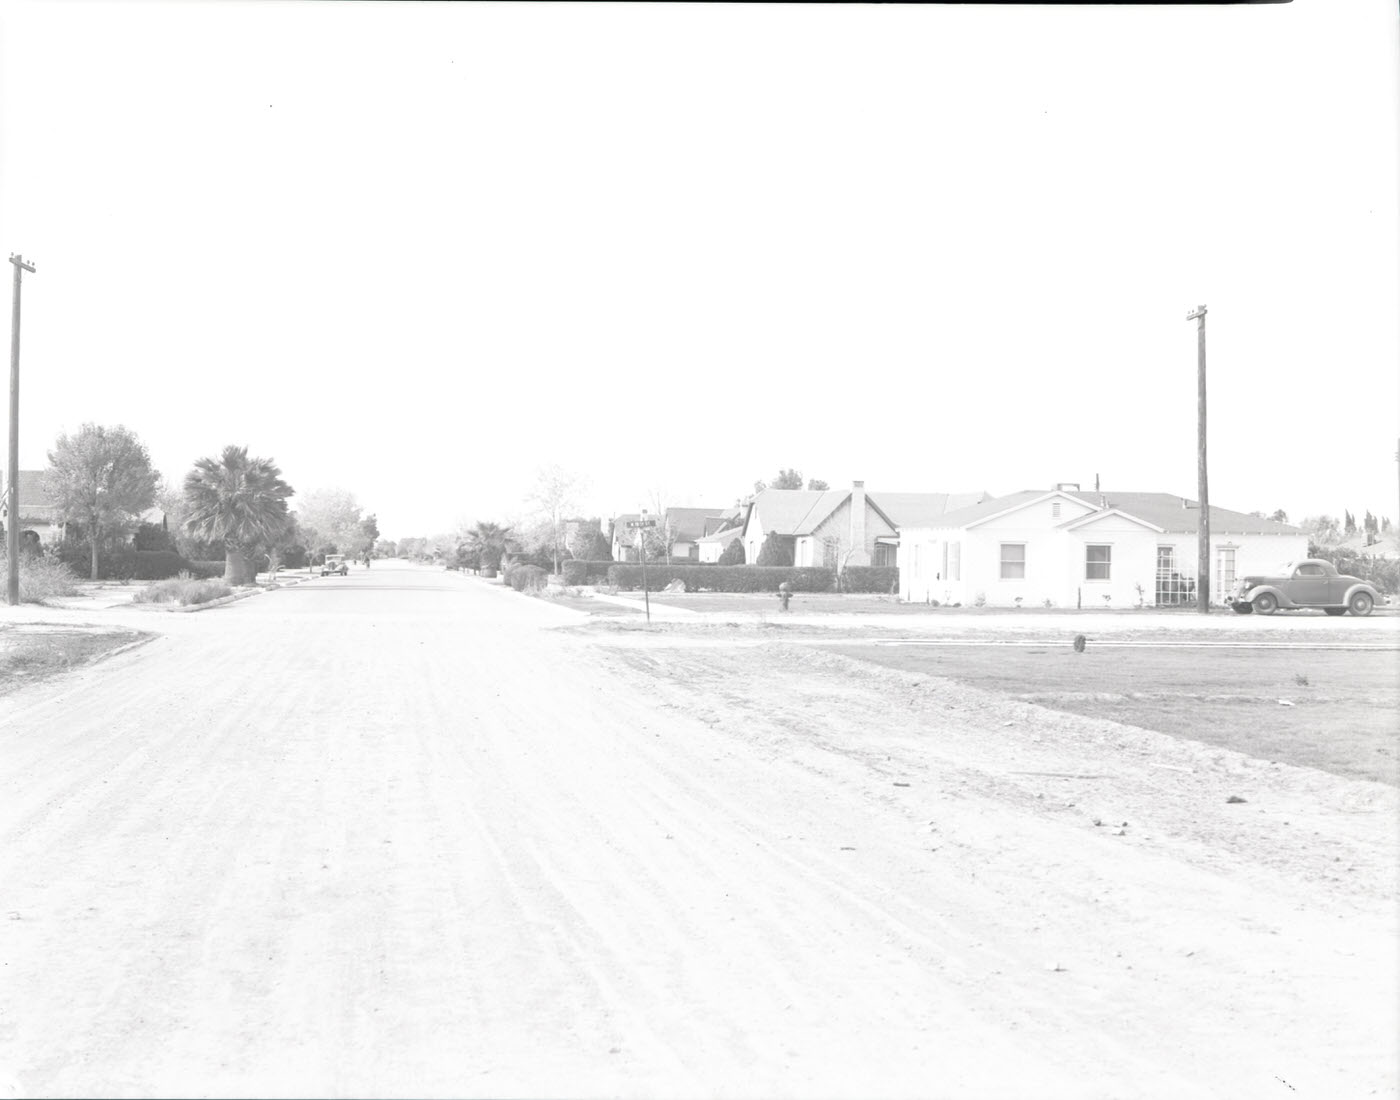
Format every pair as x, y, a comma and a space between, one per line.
1361, 604
1242, 608
1335, 610
1265, 604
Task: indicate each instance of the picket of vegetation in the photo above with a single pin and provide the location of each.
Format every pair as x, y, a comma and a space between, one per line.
578, 572
870, 578
724, 578
41, 577
122, 563
525, 577
184, 590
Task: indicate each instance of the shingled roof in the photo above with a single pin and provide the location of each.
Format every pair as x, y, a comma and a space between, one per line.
1173, 514
35, 503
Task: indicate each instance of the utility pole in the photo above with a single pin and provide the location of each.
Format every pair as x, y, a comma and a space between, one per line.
12, 518
1203, 538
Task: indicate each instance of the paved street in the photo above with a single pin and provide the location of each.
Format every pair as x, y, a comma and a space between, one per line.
391, 835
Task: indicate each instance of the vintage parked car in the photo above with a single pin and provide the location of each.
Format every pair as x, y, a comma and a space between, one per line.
335, 563
1311, 583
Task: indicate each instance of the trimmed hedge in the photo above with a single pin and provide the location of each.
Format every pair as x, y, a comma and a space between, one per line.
577, 572
883, 579
724, 578
125, 564
525, 577
205, 570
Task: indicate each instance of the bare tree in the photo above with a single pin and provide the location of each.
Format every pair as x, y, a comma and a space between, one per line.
555, 493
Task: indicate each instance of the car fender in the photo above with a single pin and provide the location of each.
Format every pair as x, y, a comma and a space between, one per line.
1370, 589
1273, 590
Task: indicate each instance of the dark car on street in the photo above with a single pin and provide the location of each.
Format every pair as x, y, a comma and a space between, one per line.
1311, 583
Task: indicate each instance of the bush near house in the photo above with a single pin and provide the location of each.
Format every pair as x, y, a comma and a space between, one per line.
122, 563
870, 578
41, 577
525, 577
724, 578
733, 554
1383, 573
577, 572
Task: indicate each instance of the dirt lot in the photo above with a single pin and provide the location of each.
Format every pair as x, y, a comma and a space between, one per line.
1330, 709
31, 653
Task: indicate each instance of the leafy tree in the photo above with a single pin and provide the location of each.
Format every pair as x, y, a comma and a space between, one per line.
414, 549
101, 478
386, 548
489, 541
369, 531
1280, 516
787, 479
1323, 529
1349, 526
241, 502
590, 544
815, 484
776, 550
733, 554
334, 517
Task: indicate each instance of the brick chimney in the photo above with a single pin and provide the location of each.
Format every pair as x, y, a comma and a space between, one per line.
860, 552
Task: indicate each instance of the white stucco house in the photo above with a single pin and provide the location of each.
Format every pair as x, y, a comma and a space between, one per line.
1067, 548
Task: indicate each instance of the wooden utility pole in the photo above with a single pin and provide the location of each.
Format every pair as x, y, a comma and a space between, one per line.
12, 518
1203, 537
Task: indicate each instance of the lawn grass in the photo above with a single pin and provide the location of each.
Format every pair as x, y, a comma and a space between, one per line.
1343, 717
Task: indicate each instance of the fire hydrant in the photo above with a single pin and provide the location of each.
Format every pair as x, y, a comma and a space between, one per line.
784, 594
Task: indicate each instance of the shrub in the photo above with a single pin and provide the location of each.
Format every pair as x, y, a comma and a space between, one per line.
150, 537
585, 572
205, 569
870, 578
723, 578
776, 550
41, 577
183, 590
733, 554
526, 577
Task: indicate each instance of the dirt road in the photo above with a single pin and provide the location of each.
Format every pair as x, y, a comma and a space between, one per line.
395, 834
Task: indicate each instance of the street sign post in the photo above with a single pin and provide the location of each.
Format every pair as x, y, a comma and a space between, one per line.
639, 525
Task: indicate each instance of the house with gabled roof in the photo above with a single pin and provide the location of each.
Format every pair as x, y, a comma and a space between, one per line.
1063, 547
840, 527
687, 526
39, 520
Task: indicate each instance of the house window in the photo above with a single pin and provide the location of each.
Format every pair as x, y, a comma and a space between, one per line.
1224, 569
1098, 563
955, 561
1013, 561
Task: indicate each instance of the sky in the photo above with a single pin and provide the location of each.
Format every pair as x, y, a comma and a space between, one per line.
422, 251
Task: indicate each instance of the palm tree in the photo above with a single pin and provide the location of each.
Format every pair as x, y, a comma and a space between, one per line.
488, 540
240, 502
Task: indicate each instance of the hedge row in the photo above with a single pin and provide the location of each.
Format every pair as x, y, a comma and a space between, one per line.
524, 577
124, 563
870, 578
724, 578
577, 572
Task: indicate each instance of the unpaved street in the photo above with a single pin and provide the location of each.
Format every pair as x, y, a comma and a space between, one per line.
406, 834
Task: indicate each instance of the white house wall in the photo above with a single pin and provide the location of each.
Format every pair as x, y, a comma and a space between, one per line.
1056, 563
